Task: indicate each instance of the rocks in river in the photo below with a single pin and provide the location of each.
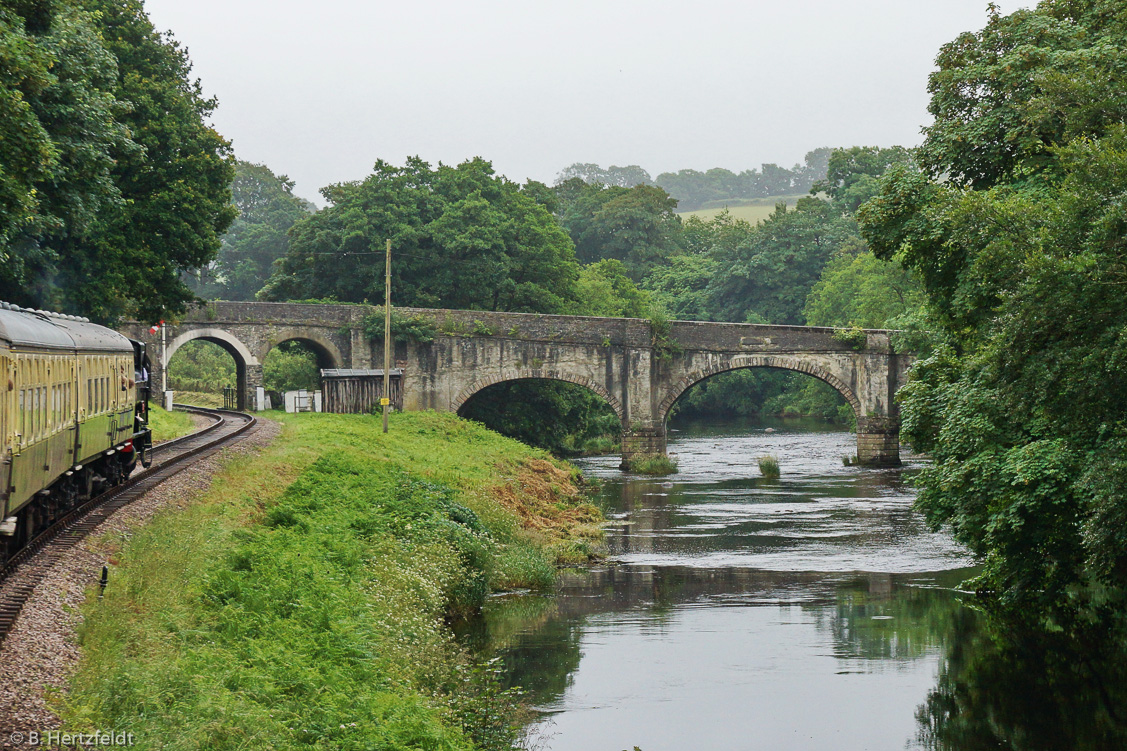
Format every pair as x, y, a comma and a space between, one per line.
769, 430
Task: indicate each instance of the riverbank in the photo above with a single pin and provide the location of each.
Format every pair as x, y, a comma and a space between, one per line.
303, 600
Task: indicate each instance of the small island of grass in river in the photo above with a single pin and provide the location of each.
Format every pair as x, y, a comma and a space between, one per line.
303, 600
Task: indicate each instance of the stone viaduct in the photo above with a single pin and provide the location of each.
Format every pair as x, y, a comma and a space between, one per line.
614, 357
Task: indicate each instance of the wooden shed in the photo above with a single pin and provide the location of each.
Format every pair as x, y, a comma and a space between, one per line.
358, 390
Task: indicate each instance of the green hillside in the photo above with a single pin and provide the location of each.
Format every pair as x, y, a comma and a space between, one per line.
753, 210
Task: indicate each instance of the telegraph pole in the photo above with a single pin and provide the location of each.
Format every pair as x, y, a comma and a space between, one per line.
163, 361
385, 402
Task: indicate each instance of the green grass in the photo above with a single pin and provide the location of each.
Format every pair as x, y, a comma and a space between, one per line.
198, 399
169, 425
769, 467
650, 464
753, 210
301, 602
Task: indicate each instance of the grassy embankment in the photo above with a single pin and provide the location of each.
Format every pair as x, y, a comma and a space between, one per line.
168, 425
198, 399
751, 210
302, 601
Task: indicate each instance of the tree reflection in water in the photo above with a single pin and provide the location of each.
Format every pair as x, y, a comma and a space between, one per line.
1017, 682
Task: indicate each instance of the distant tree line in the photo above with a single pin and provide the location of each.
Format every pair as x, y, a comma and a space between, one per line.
693, 189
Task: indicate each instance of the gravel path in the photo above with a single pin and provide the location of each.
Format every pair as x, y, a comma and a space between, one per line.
40, 653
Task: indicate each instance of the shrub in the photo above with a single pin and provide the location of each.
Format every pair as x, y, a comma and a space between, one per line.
650, 464
769, 467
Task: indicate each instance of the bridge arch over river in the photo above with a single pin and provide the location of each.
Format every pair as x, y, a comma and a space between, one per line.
614, 357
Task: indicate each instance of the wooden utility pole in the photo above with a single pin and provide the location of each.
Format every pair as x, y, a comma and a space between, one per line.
385, 402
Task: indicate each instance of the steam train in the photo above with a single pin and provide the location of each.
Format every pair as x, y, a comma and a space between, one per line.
73, 416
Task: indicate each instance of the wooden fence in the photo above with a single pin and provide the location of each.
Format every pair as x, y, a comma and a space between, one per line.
355, 391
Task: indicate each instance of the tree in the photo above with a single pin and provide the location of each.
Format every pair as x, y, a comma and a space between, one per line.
852, 175
606, 290
858, 289
1004, 96
176, 188
768, 275
58, 140
1022, 257
461, 237
681, 286
129, 186
694, 189
267, 209
636, 226
622, 177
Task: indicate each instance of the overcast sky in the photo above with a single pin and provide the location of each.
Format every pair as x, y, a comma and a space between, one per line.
321, 90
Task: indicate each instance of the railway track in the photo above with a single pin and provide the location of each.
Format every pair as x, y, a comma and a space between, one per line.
28, 567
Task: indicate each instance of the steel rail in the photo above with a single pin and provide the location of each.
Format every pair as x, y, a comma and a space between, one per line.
68, 530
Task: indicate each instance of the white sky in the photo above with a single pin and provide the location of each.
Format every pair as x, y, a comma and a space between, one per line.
319, 91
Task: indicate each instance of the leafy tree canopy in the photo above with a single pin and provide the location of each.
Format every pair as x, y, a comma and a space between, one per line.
852, 175
462, 237
767, 275
858, 289
1022, 257
1004, 96
694, 189
112, 183
606, 290
59, 136
636, 226
267, 209
622, 177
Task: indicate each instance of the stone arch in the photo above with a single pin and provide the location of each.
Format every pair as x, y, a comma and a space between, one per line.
224, 339
779, 362
550, 375
328, 354
242, 355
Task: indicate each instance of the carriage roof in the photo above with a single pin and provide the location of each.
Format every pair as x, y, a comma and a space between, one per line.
21, 327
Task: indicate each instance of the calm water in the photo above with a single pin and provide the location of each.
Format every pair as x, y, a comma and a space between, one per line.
811, 612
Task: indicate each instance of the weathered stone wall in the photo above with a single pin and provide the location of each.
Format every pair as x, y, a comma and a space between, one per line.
614, 357
249, 330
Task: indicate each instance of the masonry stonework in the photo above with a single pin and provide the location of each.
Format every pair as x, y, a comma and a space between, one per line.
614, 357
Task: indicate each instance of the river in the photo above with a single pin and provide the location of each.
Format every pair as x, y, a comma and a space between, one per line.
815, 611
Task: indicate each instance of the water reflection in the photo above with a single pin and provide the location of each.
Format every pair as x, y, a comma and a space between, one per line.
812, 612
1014, 682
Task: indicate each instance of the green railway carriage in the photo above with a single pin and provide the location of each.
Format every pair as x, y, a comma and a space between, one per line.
73, 416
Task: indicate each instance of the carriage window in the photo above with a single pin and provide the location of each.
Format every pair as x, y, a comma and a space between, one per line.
22, 420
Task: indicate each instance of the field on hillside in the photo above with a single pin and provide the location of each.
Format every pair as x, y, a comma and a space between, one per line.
753, 210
